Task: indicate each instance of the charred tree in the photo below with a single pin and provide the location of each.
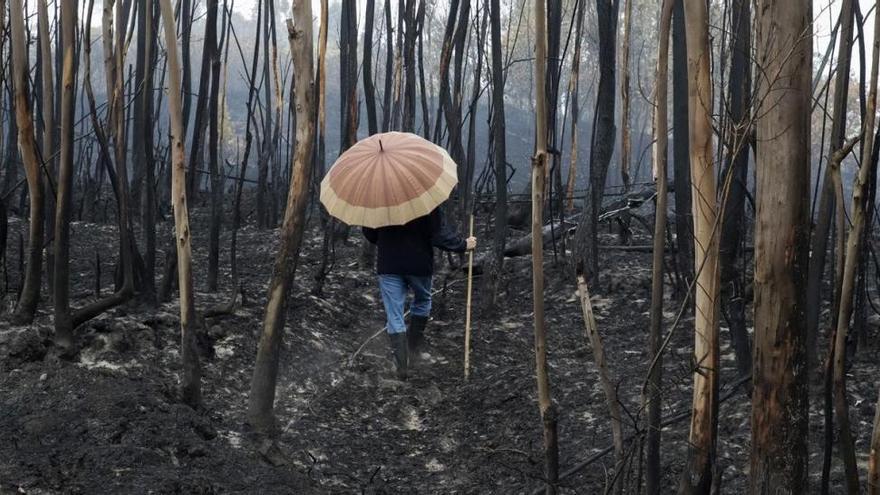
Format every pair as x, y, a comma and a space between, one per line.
779, 401
853, 251
539, 164
266, 152
212, 55
574, 98
586, 240
248, 144
684, 225
553, 76
443, 69
190, 382
185, 21
625, 101
466, 204
45, 100
369, 88
262, 394
389, 69
119, 183
450, 102
348, 75
735, 183
64, 191
827, 199
499, 154
143, 141
698, 474
653, 397
27, 145
409, 65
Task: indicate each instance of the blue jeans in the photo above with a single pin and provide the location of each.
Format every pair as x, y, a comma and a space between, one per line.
394, 290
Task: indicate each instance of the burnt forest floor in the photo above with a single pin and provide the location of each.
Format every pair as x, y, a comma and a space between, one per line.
107, 419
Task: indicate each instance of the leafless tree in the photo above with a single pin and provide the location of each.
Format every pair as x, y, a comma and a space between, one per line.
779, 400
698, 473
262, 395
30, 292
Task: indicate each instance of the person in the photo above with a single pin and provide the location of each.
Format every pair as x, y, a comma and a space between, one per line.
405, 261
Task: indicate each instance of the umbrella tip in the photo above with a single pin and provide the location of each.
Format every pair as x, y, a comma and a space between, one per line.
380, 146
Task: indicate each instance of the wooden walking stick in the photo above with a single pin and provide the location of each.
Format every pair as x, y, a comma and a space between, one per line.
467, 314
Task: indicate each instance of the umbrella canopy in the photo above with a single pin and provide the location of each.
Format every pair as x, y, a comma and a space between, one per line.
388, 179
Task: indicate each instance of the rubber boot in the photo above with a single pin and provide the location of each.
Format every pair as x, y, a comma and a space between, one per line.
399, 353
416, 333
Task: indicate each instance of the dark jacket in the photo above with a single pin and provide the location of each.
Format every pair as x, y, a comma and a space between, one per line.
408, 249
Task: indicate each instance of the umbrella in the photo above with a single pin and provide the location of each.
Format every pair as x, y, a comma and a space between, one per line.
388, 179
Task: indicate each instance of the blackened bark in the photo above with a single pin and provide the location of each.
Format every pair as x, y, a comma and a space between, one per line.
684, 222
369, 88
586, 244
827, 203
499, 151
409, 66
389, 69
780, 403
212, 52
734, 188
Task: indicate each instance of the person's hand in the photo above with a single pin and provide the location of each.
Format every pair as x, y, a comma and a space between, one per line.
471, 243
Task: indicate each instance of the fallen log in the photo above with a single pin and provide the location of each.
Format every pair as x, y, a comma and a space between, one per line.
523, 245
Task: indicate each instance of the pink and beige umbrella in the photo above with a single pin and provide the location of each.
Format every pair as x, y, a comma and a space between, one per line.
388, 179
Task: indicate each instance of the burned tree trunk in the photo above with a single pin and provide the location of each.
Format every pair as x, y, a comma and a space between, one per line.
684, 225
262, 394
452, 105
190, 382
212, 54
654, 397
443, 69
61, 289
46, 102
409, 66
853, 250
114, 39
248, 143
369, 88
348, 119
539, 165
779, 400
185, 20
200, 123
499, 154
553, 75
119, 183
266, 146
389, 68
602, 142
348, 76
466, 201
5, 164
625, 47
574, 98
143, 141
735, 182
698, 473
27, 145
595, 341
827, 201
426, 113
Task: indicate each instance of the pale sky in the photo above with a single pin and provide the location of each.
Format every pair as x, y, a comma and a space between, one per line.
825, 14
